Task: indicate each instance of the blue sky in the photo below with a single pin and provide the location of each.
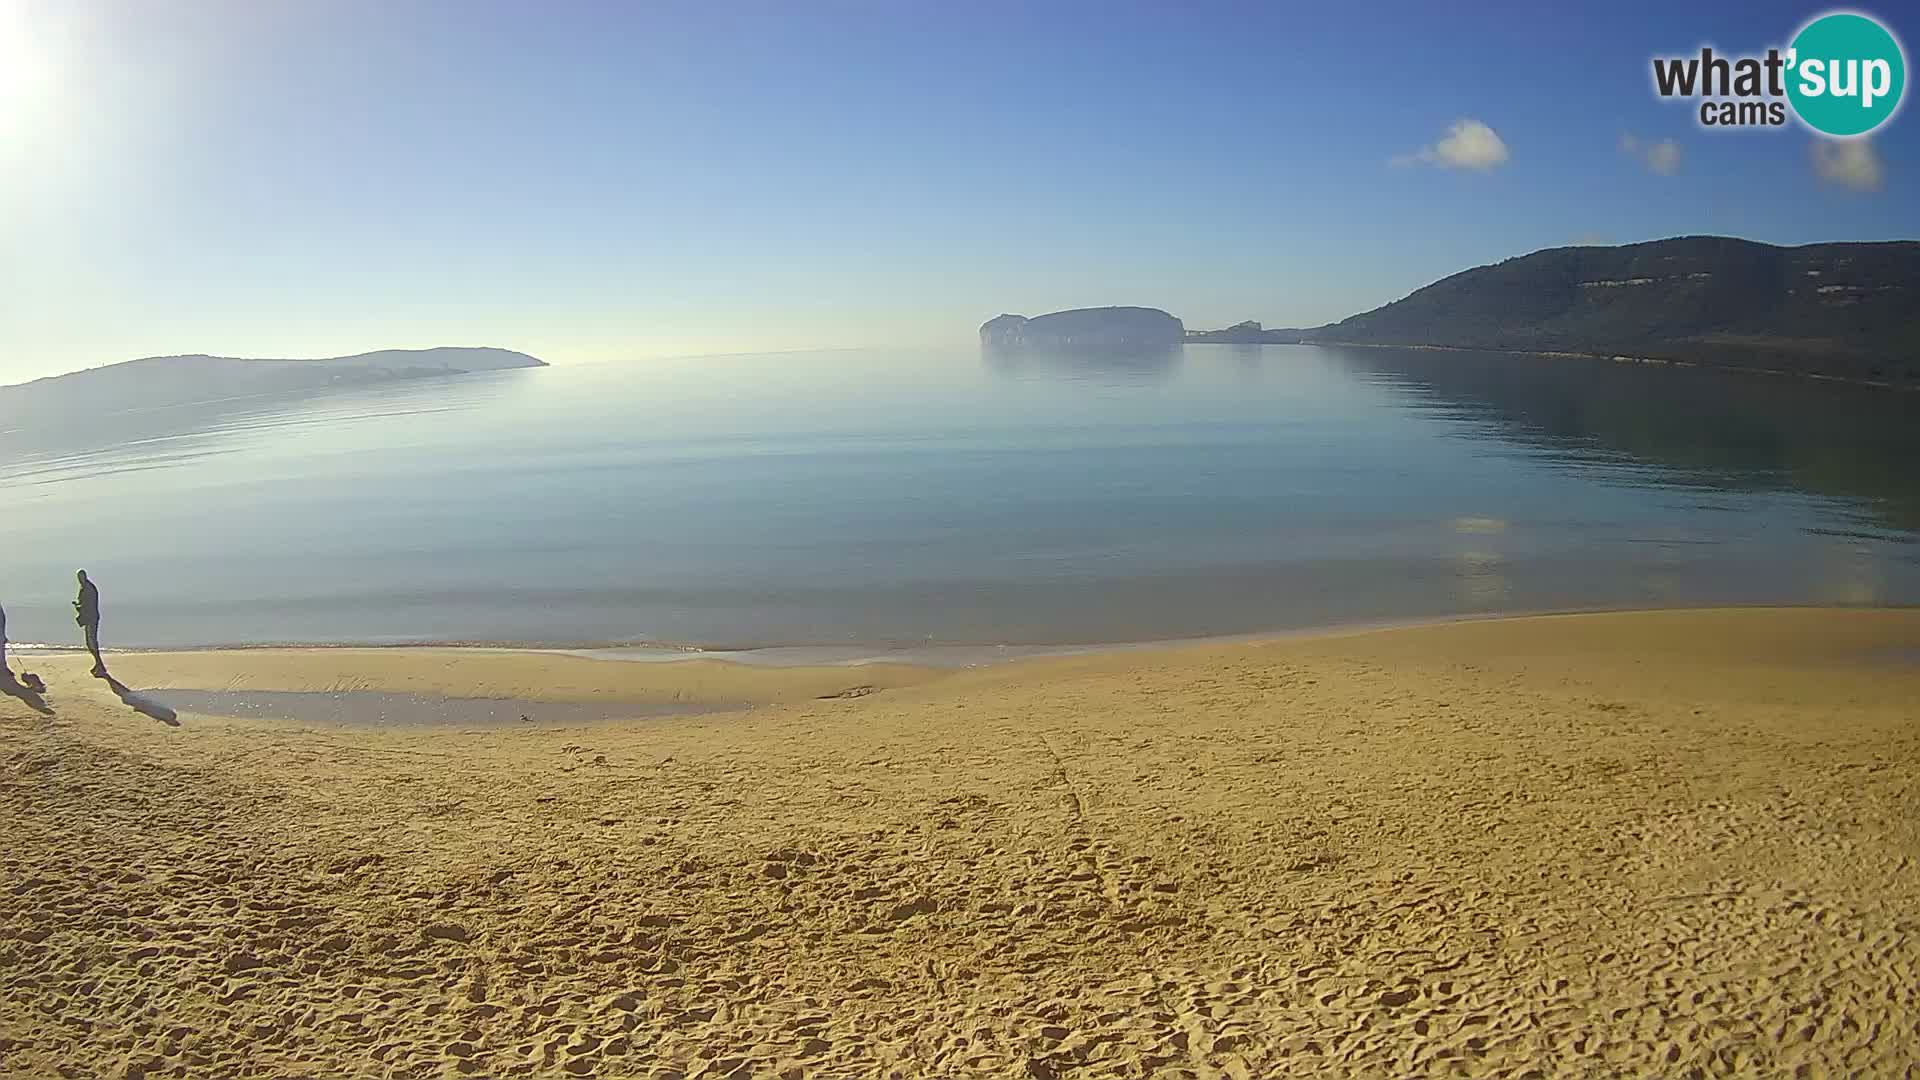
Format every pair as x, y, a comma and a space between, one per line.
592, 181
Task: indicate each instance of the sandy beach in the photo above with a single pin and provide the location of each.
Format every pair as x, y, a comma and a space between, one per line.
1650, 844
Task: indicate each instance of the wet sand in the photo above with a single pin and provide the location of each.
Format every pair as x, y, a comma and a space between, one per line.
378, 709
1675, 843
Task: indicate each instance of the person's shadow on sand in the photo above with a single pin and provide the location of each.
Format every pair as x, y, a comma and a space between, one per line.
140, 703
31, 696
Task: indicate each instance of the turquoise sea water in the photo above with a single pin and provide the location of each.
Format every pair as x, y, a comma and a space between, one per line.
887, 499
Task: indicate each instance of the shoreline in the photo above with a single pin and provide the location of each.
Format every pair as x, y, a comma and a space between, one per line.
1622, 358
781, 655
437, 688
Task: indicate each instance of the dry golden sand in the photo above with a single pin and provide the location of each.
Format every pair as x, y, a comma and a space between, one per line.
1664, 844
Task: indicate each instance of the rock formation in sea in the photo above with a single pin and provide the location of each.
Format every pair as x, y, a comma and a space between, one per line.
1130, 327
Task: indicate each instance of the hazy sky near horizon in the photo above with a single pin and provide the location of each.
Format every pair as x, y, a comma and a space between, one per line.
590, 181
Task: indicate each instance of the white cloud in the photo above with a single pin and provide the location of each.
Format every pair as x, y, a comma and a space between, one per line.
1850, 163
1661, 157
1469, 144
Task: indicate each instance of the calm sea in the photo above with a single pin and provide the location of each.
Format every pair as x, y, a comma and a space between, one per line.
886, 499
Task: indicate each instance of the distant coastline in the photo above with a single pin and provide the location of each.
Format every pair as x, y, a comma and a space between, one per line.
165, 381
1845, 313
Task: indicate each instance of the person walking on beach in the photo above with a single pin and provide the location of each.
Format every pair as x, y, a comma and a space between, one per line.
87, 612
6, 673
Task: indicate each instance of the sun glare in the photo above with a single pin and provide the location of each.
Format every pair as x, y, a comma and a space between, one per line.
26, 70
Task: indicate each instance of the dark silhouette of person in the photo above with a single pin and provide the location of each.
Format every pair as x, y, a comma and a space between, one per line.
27, 687
87, 612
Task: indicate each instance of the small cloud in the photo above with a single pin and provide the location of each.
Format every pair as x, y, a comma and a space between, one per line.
1852, 163
1662, 157
1469, 144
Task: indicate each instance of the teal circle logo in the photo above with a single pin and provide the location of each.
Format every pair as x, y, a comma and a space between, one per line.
1846, 74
